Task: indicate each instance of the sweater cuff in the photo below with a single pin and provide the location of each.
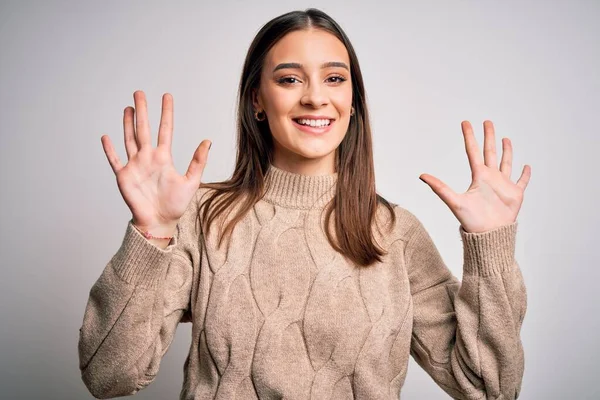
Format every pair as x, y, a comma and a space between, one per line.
491, 252
139, 262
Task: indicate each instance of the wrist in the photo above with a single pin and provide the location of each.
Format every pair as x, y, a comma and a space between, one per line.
163, 232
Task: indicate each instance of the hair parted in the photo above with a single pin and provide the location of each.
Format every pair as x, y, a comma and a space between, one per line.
356, 200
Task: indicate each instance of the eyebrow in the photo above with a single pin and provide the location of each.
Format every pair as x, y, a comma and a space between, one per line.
324, 65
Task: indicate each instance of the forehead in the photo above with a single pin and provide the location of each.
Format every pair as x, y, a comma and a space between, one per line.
308, 47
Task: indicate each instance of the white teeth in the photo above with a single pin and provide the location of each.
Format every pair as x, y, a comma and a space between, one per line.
314, 122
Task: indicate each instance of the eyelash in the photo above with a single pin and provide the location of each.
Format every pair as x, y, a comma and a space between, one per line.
283, 79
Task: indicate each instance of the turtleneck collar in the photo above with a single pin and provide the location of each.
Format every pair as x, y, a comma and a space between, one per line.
291, 190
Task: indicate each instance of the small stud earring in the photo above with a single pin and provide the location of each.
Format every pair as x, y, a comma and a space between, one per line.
262, 116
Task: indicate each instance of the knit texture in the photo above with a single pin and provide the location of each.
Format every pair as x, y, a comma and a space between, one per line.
277, 313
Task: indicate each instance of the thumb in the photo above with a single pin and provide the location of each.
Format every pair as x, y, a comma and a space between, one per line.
441, 189
196, 167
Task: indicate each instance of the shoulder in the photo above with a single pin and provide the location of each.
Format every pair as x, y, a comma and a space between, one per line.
188, 223
194, 205
202, 193
218, 203
406, 222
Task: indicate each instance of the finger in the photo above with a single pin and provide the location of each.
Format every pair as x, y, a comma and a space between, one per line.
165, 130
196, 167
142, 127
489, 144
130, 144
442, 190
111, 155
473, 154
507, 158
525, 177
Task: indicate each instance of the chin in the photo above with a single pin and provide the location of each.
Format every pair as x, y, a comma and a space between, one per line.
321, 153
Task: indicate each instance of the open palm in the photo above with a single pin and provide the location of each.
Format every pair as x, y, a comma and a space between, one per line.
492, 200
149, 183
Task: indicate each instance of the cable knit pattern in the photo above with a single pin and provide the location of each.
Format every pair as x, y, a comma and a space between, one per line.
278, 314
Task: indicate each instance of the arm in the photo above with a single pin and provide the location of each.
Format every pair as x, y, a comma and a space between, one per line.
133, 311
467, 336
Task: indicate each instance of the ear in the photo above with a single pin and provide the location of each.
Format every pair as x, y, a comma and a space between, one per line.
256, 101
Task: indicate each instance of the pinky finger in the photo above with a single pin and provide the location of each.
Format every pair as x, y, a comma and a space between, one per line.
111, 155
525, 176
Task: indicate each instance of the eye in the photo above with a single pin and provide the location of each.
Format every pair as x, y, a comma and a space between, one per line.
340, 79
286, 80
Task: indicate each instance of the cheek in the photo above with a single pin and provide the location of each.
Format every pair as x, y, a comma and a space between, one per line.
279, 101
343, 100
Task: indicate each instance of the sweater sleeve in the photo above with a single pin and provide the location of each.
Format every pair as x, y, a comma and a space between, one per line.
466, 336
133, 311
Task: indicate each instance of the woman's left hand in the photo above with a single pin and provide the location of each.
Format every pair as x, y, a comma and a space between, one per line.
492, 200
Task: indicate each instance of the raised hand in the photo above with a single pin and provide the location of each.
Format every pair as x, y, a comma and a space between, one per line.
492, 200
150, 185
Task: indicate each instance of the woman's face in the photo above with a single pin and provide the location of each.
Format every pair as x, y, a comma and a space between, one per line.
306, 80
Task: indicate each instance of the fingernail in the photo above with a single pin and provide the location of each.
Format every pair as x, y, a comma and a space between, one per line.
422, 180
210, 145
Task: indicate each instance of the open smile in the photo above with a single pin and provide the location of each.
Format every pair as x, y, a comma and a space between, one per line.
313, 126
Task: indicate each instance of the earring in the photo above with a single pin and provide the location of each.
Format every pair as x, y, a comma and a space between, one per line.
352, 111
261, 118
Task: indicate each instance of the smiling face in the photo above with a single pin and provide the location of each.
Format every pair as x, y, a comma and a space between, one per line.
306, 81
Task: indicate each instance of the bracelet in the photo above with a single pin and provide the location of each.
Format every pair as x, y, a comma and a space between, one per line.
148, 235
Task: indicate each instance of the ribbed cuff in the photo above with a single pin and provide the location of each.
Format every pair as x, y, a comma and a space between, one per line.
140, 262
491, 252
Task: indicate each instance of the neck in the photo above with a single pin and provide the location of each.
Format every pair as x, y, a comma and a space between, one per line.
299, 191
292, 162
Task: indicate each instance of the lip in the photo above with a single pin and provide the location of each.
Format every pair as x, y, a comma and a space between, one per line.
313, 130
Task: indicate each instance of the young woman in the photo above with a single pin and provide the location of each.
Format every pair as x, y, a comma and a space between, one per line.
301, 282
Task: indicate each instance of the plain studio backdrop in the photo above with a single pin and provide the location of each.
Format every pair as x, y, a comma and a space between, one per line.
68, 69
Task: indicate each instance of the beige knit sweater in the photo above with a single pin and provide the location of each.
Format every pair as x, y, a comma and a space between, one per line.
278, 314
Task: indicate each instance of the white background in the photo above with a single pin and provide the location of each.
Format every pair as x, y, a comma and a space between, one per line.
68, 69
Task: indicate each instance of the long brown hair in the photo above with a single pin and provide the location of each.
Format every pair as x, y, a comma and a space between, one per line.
355, 201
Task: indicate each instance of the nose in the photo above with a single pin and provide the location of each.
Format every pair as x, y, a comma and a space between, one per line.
315, 96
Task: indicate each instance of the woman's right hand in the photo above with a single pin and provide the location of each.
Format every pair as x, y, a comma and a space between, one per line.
150, 185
